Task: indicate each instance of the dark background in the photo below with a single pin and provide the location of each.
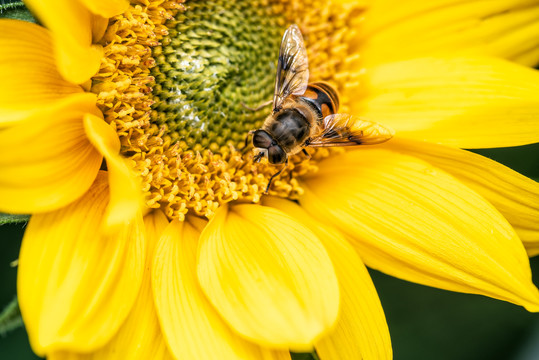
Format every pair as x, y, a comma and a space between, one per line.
425, 323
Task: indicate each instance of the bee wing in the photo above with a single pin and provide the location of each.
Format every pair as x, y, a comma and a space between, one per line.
348, 130
292, 67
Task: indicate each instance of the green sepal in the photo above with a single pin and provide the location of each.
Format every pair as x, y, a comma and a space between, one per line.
13, 219
10, 317
15, 9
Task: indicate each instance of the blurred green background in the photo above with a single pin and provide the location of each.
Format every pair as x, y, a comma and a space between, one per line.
425, 323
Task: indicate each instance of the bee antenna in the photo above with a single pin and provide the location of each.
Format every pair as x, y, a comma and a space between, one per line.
246, 144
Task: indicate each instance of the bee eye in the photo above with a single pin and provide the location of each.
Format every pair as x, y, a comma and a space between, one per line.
262, 139
276, 155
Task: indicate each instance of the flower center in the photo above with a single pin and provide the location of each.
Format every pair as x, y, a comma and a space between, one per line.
177, 82
218, 56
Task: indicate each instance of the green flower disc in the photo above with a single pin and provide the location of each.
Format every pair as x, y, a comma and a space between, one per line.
218, 57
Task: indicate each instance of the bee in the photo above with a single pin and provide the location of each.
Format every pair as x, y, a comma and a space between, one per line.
305, 114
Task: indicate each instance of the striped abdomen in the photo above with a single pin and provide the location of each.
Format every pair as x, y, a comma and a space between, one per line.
322, 98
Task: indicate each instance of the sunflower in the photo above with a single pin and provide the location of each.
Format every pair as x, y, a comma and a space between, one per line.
151, 236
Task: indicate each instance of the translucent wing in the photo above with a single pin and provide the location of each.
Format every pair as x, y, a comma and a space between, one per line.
292, 67
347, 130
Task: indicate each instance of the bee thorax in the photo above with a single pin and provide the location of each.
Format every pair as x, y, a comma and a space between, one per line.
289, 128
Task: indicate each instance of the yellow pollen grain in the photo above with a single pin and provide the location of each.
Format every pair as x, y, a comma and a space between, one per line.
179, 180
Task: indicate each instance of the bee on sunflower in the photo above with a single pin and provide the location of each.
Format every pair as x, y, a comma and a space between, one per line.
154, 234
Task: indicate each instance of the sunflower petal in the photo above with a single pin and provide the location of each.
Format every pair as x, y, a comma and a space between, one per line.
126, 196
414, 221
71, 25
106, 8
192, 327
515, 196
72, 277
140, 335
47, 160
30, 80
461, 102
99, 27
361, 331
268, 276
505, 29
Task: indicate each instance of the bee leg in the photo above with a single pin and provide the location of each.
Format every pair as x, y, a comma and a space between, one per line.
275, 175
306, 153
257, 158
261, 106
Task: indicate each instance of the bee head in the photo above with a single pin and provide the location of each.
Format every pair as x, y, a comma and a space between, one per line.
268, 147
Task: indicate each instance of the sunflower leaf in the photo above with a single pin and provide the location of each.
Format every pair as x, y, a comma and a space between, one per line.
15, 9
13, 219
10, 317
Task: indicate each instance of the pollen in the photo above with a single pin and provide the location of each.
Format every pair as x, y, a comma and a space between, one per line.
179, 81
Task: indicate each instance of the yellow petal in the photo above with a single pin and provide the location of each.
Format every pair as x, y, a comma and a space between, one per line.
47, 160
533, 250
126, 195
72, 278
106, 8
361, 331
268, 276
515, 196
462, 102
347, 4
99, 26
394, 31
528, 57
71, 25
414, 221
140, 335
192, 327
155, 223
30, 80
